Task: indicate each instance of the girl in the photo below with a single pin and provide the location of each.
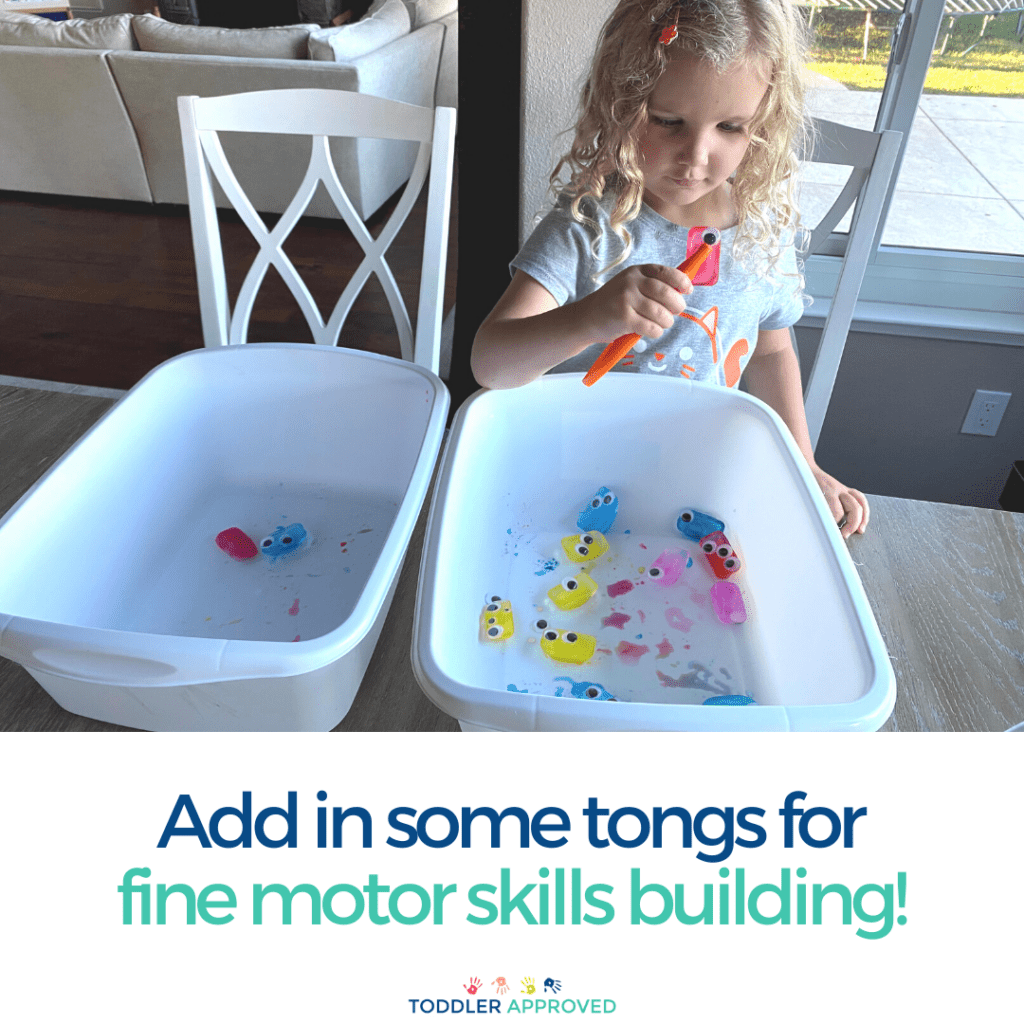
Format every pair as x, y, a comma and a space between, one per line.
690, 119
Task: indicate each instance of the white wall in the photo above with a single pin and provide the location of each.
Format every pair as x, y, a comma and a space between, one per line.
558, 41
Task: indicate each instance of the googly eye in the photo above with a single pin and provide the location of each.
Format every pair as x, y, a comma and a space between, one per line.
582, 550
724, 551
609, 498
494, 632
586, 538
732, 563
571, 638
707, 547
550, 635
569, 584
687, 515
711, 237
654, 572
494, 599
541, 624
286, 539
266, 542
492, 607
592, 692
595, 503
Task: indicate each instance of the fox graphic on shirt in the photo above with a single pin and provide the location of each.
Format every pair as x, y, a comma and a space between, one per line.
704, 332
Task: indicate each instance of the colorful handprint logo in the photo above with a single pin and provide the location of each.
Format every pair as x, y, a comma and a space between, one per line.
530, 986
550, 983
473, 987
502, 985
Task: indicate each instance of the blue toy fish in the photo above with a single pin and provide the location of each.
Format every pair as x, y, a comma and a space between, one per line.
583, 691
696, 525
283, 541
600, 512
734, 700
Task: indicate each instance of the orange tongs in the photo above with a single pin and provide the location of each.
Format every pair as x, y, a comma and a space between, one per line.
616, 349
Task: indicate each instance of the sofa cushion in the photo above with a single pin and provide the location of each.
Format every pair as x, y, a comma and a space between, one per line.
286, 42
346, 42
64, 127
111, 33
421, 12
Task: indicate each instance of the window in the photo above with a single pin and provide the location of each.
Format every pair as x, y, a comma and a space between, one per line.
953, 237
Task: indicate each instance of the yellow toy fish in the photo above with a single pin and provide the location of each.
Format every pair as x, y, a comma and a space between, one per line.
573, 592
584, 547
567, 646
496, 620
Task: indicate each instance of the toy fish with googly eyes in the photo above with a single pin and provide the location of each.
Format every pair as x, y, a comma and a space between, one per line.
600, 512
573, 592
694, 525
568, 646
584, 547
720, 554
496, 621
666, 569
283, 541
583, 691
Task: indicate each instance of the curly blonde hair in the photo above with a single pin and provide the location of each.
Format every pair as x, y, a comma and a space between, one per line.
628, 62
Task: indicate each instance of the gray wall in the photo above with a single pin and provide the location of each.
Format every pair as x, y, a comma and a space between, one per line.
893, 425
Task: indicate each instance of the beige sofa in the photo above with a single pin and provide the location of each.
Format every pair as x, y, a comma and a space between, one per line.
96, 114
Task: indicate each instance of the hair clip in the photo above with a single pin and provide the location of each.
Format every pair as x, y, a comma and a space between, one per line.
668, 34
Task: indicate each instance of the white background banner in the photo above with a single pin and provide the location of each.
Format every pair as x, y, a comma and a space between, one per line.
945, 811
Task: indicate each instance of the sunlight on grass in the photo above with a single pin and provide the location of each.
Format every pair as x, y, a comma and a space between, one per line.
957, 81
853, 76
971, 65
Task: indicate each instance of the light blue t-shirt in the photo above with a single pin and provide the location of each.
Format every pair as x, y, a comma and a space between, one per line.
714, 337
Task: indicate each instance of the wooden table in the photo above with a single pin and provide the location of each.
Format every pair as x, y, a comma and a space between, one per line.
946, 584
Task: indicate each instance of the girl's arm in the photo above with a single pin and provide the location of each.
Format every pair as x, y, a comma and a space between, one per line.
527, 332
773, 375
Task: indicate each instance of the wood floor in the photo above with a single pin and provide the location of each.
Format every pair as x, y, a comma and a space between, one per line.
97, 292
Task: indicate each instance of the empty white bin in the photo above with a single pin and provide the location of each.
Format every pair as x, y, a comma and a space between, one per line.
114, 594
518, 468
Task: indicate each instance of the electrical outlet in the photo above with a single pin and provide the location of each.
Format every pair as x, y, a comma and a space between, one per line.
987, 408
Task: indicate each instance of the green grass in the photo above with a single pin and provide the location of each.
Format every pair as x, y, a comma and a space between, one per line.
994, 67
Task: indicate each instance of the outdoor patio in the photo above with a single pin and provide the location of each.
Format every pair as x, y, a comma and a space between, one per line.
960, 186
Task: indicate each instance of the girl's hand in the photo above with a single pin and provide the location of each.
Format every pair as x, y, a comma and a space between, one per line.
844, 502
643, 299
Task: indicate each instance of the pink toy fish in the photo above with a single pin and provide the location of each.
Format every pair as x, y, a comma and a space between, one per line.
668, 567
727, 601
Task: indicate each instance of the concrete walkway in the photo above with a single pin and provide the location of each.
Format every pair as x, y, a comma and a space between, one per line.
961, 185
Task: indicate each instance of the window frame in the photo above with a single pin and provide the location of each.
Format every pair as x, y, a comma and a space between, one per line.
917, 290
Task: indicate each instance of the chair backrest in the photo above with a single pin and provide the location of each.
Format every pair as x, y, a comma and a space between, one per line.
873, 157
321, 114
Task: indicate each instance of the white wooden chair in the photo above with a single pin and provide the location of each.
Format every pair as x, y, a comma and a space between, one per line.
873, 158
322, 114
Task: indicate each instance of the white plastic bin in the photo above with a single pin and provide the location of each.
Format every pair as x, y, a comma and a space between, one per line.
518, 468
114, 594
